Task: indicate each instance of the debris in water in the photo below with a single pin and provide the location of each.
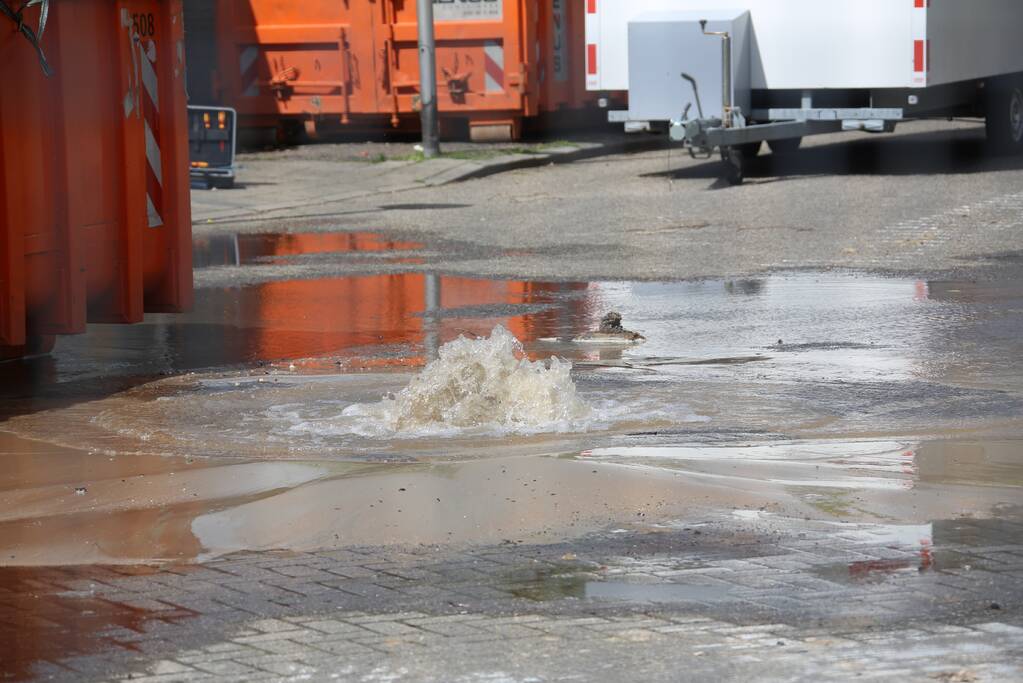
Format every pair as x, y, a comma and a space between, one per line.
80, 491
486, 382
611, 332
611, 323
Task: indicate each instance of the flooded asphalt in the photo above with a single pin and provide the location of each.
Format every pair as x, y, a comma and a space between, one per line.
243, 425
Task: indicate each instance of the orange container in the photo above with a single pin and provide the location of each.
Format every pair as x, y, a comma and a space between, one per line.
95, 223
329, 63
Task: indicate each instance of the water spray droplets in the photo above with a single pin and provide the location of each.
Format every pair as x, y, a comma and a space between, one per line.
485, 383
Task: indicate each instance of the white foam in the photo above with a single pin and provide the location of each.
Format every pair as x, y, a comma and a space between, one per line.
484, 385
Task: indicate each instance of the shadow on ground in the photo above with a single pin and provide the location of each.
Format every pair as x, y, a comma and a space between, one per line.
914, 154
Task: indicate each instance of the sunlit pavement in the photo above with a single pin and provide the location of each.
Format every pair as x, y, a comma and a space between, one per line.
928, 200
801, 474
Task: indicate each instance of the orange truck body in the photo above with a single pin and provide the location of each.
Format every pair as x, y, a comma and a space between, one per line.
95, 223
336, 63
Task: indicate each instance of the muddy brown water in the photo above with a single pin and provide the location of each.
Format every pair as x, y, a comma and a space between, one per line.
819, 395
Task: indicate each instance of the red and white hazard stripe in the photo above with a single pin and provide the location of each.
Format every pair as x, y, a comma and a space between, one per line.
151, 117
493, 66
921, 45
249, 72
592, 27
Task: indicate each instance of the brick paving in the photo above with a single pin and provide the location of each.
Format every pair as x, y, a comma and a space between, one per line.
729, 598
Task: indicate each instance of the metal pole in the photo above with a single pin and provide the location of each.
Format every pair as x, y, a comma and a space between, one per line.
431, 321
726, 72
726, 79
427, 79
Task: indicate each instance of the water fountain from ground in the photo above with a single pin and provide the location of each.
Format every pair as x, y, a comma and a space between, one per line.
486, 383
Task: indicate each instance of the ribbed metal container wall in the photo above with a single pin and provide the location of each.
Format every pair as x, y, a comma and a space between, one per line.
331, 63
95, 223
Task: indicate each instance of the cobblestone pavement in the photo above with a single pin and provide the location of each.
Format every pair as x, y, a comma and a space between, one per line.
740, 597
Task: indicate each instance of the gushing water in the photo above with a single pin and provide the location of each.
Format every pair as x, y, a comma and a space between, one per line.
482, 383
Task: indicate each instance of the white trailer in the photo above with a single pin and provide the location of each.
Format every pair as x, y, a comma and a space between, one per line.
728, 75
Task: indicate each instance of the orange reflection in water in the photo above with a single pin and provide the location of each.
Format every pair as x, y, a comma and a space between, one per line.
293, 319
44, 624
351, 316
226, 250
251, 247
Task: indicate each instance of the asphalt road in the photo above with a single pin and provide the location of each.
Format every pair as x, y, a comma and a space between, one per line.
928, 201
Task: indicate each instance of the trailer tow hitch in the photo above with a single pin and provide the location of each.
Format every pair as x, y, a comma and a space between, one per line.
692, 132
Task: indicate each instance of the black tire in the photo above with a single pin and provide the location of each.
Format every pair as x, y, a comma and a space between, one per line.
290, 133
786, 146
1004, 120
750, 150
223, 183
732, 162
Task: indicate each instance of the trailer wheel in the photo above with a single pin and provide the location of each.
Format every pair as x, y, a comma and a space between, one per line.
784, 146
1004, 120
732, 162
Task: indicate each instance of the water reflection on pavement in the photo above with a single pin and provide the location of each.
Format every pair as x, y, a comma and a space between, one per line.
860, 364
845, 405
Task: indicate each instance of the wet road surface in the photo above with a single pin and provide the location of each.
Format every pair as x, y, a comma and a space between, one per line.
731, 372
850, 435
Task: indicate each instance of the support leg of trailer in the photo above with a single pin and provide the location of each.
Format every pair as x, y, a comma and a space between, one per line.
732, 165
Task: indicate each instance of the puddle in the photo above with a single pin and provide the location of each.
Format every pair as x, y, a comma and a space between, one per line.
585, 581
144, 508
859, 358
924, 562
851, 346
423, 206
837, 396
928, 549
66, 506
898, 552
847, 479
925, 552
37, 599
153, 509
834, 464
552, 583
320, 325
654, 592
971, 463
285, 248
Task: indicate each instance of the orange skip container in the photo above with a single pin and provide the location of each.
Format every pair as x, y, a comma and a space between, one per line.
336, 63
95, 224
